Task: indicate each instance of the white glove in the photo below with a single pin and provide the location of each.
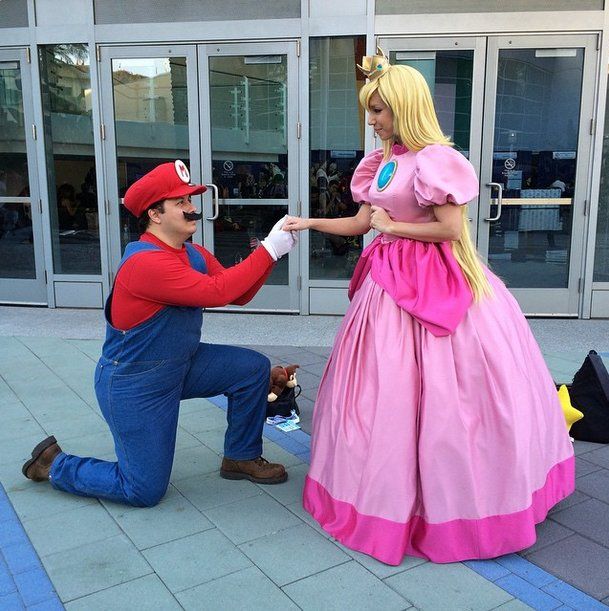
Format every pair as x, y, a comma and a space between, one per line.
278, 242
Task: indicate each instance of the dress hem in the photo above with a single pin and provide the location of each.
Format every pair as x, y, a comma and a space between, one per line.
452, 541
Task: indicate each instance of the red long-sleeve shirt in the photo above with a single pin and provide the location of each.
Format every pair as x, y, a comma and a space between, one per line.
150, 280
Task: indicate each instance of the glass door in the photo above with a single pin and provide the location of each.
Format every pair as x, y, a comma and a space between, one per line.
22, 278
249, 143
454, 71
535, 156
150, 117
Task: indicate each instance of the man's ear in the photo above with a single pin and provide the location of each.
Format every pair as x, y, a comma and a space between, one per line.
154, 214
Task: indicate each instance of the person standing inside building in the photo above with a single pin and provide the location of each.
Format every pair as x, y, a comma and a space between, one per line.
152, 357
437, 430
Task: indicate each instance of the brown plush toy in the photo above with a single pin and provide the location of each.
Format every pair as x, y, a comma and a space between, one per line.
281, 377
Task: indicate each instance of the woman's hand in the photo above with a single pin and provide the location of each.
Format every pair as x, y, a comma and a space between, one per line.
295, 223
380, 220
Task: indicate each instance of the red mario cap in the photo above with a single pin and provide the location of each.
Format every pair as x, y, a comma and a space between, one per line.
166, 181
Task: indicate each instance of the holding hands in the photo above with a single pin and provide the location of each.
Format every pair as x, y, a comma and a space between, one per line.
280, 239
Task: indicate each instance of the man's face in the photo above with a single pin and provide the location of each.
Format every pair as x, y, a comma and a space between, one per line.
172, 221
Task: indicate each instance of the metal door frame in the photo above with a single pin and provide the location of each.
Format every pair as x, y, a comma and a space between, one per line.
30, 291
535, 302
277, 298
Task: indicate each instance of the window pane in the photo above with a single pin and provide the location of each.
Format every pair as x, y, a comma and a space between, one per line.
16, 238
150, 121
534, 158
68, 131
337, 145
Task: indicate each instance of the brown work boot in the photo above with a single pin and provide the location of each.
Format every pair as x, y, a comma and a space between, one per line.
259, 470
37, 468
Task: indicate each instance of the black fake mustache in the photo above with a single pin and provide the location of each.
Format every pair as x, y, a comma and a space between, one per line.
193, 216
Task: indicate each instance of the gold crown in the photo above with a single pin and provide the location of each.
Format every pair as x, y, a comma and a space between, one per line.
374, 66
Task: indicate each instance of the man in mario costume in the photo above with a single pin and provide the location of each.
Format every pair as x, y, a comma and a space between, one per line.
152, 356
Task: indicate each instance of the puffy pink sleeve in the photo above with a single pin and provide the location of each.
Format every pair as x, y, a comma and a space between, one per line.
443, 175
364, 174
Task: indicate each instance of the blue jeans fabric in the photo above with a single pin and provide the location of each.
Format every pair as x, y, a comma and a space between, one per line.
140, 379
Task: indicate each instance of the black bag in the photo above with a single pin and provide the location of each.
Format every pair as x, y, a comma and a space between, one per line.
590, 395
284, 403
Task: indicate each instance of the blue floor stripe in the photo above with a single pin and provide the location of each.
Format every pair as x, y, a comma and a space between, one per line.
24, 584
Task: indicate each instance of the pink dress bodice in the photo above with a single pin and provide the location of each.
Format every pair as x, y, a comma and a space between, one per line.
423, 278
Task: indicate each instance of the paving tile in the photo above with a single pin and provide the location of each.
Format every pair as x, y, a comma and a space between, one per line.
513, 605
145, 593
292, 554
251, 518
596, 485
377, 568
590, 518
208, 491
548, 532
291, 491
573, 499
489, 569
213, 439
585, 447
11, 602
21, 557
447, 586
599, 456
528, 593
579, 562
18, 449
7, 583
99, 444
246, 590
273, 453
210, 556
194, 461
41, 499
208, 417
11, 532
23, 426
94, 567
76, 425
186, 440
50, 604
34, 586
171, 520
573, 597
584, 467
298, 510
525, 569
70, 529
347, 586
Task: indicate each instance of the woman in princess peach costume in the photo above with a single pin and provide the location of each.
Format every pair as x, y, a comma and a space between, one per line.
437, 430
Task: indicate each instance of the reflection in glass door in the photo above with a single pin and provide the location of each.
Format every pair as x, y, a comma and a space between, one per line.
21, 254
534, 168
150, 119
249, 151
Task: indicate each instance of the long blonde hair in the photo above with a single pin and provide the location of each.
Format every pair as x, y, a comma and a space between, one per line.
415, 124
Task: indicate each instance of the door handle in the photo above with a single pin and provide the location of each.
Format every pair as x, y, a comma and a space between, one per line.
215, 203
499, 187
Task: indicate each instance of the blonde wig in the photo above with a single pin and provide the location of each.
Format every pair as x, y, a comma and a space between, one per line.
416, 126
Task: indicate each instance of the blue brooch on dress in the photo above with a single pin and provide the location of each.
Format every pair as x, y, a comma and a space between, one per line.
386, 175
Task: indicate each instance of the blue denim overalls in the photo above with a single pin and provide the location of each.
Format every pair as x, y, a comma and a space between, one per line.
140, 379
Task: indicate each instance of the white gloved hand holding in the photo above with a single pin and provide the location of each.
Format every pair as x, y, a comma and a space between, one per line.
279, 242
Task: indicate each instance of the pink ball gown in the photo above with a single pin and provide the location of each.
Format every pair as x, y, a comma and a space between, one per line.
437, 430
